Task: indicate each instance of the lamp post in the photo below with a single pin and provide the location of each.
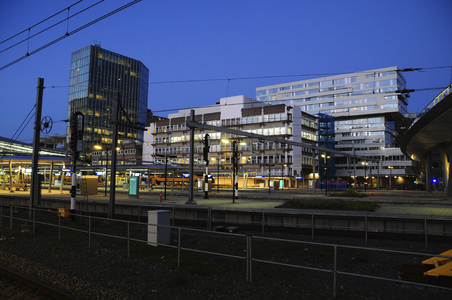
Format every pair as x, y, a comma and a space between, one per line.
350, 175
365, 179
269, 176
166, 167
99, 147
218, 175
326, 172
390, 177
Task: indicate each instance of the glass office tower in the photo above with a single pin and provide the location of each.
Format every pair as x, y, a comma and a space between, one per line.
96, 75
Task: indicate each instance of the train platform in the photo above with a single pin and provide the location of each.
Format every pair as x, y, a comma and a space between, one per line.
397, 202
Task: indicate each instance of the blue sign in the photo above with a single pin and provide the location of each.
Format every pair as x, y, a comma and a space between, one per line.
260, 176
434, 180
67, 170
299, 177
186, 175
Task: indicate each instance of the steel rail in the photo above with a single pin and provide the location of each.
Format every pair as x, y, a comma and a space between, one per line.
42, 288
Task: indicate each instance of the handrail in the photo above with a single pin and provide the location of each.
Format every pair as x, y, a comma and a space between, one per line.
434, 102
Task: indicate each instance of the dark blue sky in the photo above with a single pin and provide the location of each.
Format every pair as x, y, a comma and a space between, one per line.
197, 40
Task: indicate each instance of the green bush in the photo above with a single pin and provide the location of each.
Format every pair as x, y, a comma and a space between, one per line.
349, 193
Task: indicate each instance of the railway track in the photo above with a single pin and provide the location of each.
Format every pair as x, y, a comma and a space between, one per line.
202, 223
16, 286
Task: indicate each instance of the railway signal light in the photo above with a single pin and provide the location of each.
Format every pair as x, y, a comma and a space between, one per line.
206, 148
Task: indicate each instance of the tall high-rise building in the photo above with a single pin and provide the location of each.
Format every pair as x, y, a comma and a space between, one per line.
96, 75
366, 108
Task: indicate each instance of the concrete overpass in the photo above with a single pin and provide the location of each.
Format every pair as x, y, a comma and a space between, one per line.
429, 140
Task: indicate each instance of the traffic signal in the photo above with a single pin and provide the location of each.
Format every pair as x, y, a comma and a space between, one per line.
206, 148
234, 154
77, 133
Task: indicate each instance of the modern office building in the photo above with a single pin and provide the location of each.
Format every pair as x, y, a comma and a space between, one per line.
170, 137
366, 107
95, 77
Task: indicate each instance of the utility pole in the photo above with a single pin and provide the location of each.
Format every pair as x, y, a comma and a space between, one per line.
206, 159
111, 205
191, 167
235, 184
166, 168
35, 199
76, 147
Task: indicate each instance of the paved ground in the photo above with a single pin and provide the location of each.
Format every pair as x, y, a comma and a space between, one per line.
416, 203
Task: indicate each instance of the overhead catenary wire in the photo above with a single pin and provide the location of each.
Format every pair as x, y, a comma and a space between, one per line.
268, 76
273, 76
69, 34
14, 138
40, 22
49, 27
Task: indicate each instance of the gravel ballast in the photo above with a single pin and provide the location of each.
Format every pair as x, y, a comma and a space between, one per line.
105, 271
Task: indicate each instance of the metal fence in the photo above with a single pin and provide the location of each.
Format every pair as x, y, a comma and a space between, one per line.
15, 214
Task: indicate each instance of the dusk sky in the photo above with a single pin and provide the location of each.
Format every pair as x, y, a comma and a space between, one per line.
188, 44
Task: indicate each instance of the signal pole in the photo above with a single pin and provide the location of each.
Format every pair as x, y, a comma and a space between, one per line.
77, 146
34, 192
206, 159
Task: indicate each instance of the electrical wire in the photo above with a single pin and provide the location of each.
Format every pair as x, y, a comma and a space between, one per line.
51, 26
70, 33
266, 77
13, 139
40, 22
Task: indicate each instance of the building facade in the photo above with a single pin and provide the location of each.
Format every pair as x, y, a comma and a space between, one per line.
96, 75
128, 153
171, 137
365, 106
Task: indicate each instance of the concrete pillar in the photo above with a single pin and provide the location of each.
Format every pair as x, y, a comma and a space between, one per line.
11, 176
50, 177
449, 186
445, 164
428, 173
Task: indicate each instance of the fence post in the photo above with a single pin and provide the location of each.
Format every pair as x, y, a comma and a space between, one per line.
59, 227
128, 239
178, 248
263, 222
209, 218
249, 259
312, 226
425, 231
365, 227
174, 216
11, 218
34, 220
89, 232
335, 271
1, 215
139, 213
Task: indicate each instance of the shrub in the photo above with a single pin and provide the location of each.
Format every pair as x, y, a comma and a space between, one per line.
349, 193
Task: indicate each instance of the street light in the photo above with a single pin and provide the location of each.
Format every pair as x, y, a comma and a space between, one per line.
99, 147
326, 172
269, 176
365, 179
350, 175
166, 166
390, 177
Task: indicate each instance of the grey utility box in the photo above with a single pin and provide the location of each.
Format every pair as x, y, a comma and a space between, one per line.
156, 233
